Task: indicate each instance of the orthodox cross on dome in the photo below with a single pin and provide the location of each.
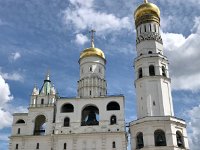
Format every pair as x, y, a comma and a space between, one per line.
145, 1
92, 37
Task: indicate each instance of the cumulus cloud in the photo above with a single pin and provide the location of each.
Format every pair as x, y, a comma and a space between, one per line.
193, 126
14, 56
5, 97
81, 39
184, 54
82, 15
15, 76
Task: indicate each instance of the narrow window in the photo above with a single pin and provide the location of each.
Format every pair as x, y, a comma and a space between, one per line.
163, 71
145, 29
113, 120
140, 30
113, 145
155, 27
159, 137
65, 146
90, 92
18, 131
38, 146
17, 146
140, 73
179, 139
139, 142
66, 122
151, 70
42, 101
90, 68
154, 103
100, 70
150, 27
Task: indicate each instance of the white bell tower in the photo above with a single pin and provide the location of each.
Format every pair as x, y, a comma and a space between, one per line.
156, 127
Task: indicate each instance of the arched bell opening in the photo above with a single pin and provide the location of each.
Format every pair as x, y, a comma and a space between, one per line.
139, 141
179, 138
160, 139
90, 116
40, 125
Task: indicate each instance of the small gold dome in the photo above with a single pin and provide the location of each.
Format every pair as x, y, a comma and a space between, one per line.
92, 51
147, 12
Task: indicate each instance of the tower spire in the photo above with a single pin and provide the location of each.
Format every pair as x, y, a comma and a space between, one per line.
92, 37
145, 1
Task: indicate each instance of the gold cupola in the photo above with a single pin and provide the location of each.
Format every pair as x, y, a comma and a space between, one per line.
92, 51
147, 12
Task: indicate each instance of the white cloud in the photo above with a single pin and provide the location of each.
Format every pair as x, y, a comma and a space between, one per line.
81, 39
5, 95
193, 126
84, 16
184, 54
15, 76
14, 56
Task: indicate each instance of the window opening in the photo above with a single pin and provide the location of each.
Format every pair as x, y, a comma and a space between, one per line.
159, 137
140, 73
38, 146
90, 116
42, 101
66, 122
113, 145
163, 71
67, 108
151, 70
18, 131
65, 146
139, 142
179, 139
113, 120
17, 146
113, 106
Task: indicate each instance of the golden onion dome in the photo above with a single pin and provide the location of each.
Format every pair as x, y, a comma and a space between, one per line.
147, 12
92, 51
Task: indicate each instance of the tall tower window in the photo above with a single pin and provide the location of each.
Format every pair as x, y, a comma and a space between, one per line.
155, 27
179, 139
38, 146
16, 146
90, 92
90, 68
145, 29
65, 146
150, 27
113, 120
113, 144
139, 141
140, 73
151, 70
163, 71
159, 137
18, 131
66, 122
42, 101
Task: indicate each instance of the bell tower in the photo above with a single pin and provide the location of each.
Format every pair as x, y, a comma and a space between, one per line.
92, 81
156, 127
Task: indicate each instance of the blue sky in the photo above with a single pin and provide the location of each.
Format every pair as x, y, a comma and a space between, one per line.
41, 35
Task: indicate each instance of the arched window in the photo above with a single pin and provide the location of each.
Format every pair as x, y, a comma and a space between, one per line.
40, 125
90, 68
150, 27
113, 106
159, 137
67, 108
65, 146
140, 73
150, 52
163, 71
66, 122
20, 121
151, 70
113, 120
113, 144
38, 146
90, 116
18, 131
179, 139
139, 141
